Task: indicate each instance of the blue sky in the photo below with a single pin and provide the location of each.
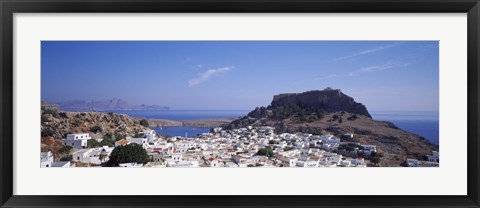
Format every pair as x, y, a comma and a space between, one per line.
227, 75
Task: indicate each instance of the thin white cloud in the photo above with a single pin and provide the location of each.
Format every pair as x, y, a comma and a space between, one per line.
199, 66
367, 51
205, 76
367, 69
371, 69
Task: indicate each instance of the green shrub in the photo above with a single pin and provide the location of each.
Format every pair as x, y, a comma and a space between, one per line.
52, 112
96, 129
92, 143
67, 158
267, 151
128, 154
144, 122
65, 149
48, 132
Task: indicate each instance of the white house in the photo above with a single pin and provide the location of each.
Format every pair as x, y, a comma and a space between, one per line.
141, 141
330, 146
348, 135
231, 165
183, 146
357, 162
327, 139
94, 155
430, 164
413, 162
368, 149
177, 157
345, 163
150, 135
46, 159
434, 157
184, 164
77, 140
63, 164
82, 155
214, 162
130, 165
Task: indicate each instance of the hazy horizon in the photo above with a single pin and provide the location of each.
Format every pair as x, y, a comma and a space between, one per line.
241, 75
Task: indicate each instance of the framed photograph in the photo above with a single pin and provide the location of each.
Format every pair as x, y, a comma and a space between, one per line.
265, 103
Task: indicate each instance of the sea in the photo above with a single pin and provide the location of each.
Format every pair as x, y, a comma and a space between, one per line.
423, 123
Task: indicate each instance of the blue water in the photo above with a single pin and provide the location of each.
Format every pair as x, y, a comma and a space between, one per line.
423, 123
180, 131
183, 115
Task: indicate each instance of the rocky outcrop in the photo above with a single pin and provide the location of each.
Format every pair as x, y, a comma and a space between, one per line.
330, 100
58, 124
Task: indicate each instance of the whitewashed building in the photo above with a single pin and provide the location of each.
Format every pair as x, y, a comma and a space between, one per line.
413, 162
141, 141
368, 149
150, 135
46, 159
434, 157
77, 140
63, 164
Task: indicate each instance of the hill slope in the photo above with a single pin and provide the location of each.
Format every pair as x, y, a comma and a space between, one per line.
331, 111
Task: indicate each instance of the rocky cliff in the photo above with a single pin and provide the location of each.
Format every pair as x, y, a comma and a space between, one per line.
58, 124
329, 100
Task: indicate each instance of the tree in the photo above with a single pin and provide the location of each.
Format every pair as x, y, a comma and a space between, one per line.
48, 132
66, 158
376, 160
96, 129
138, 135
92, 143
288, 148
128, 154
353, 117
349, 148
65, 149
119, 136
267, 151
376, 157
361, 154
107, 142
108, 136
144, 122
424, 157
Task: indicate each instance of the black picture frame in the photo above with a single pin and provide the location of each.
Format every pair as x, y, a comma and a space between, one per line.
9, 7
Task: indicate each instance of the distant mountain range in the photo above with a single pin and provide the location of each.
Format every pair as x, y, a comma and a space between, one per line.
106, 105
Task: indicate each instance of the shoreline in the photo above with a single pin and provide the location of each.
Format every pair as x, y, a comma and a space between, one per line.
203, 123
